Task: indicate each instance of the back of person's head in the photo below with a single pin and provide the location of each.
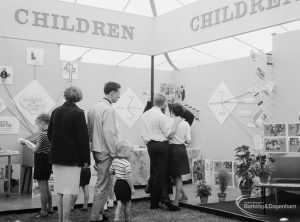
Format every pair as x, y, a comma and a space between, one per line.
159, 100
177, 109
73, 94
44, 118
110, 87
124, 148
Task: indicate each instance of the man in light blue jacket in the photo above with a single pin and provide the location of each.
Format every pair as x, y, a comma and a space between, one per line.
104, 139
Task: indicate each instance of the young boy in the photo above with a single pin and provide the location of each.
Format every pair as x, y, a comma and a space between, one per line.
121, 168
42, 166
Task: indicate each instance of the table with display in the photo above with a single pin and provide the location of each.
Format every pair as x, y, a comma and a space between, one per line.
8, 154
285, 186
141, 164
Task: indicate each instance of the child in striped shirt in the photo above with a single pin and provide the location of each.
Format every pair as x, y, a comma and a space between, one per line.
123, 188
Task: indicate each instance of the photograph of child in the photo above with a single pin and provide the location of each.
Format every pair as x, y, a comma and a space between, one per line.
294, 145
294, 129
274, 130
275, 145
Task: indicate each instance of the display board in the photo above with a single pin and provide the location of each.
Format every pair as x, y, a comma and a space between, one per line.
282, 137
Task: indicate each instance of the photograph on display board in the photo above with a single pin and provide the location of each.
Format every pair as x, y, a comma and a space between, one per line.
198, 167
173, 93
218, 164
294, 129
294, 145
230, 181
275, 144
274, 130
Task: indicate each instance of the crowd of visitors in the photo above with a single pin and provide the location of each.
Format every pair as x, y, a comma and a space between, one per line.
66, 140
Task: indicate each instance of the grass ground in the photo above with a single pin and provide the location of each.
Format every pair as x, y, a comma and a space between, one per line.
140, 213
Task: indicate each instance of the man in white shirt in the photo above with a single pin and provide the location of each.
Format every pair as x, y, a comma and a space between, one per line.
155, 132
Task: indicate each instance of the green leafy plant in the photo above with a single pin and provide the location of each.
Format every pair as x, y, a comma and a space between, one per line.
245, 171
223, 179
203, 189
263, 165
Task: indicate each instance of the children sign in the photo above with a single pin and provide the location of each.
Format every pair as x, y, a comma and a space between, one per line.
33, 100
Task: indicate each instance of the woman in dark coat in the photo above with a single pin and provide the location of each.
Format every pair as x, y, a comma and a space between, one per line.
70, 150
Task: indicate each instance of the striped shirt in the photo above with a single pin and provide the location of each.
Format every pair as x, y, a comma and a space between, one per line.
120, 167
44, 143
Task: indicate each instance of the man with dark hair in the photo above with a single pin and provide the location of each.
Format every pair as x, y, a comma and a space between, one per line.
104, 139
155, 133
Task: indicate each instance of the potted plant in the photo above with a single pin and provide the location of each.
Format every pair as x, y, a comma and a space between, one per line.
263, 166
203, 191
244, 171
222, 179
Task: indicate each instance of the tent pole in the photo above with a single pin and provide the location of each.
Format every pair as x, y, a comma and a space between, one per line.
152, 78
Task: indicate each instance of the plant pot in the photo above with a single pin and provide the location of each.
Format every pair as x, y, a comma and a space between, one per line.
203, 199
246, 192
265, 179
222, 197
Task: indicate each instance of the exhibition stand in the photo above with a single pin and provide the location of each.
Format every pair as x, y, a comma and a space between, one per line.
250, 100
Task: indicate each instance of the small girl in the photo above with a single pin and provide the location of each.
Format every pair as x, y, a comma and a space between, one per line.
123, 189
42, 166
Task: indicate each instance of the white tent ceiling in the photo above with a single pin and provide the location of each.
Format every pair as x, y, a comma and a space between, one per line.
221, 50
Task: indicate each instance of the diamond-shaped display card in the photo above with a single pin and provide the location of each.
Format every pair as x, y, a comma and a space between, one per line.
129, 107
222, 103
33, 100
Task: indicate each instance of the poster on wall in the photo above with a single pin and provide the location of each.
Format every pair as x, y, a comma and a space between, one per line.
275, 145
209, 167
174, 93
129, 107
222, 103
70, 70
9, 125
15, 178
35, 186
274, 130
35, 56
294, 145
6, 75
198, 169
294, 129
258, 142
2, 106
33, 100
226, 164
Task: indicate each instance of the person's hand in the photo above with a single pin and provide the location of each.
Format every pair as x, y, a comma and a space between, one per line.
132, 191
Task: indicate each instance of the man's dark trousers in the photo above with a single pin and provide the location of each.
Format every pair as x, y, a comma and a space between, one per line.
159, 156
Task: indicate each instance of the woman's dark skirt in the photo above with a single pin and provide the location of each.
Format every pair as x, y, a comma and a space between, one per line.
85, 176
178, 160
122, 191
42, 166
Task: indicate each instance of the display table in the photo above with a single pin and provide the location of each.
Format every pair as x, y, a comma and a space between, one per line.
140, 164
8, 154
285, 186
